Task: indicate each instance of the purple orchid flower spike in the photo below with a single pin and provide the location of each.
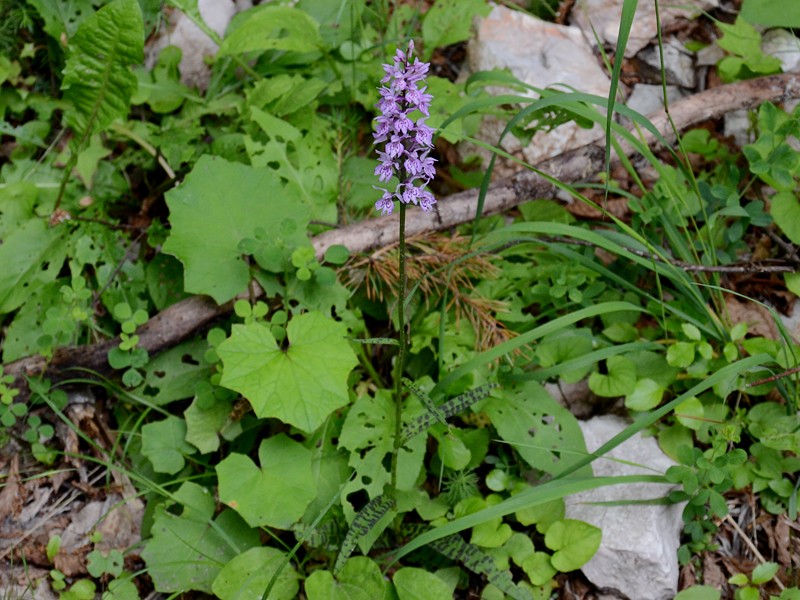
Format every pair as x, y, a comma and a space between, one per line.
407, 142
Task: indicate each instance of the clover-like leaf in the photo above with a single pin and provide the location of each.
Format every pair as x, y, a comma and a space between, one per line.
574, 543
277, 493
164, 443
300, 385
219, 204
619, 381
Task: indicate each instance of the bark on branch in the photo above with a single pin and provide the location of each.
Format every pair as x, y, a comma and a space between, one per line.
185, 318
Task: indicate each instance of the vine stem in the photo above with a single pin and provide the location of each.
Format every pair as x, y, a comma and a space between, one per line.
401, 355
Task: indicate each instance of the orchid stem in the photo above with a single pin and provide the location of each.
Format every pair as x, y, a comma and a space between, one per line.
401, 355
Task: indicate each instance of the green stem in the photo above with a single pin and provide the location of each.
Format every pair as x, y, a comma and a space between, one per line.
401, 355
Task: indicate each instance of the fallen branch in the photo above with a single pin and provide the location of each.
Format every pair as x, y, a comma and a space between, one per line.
182, 320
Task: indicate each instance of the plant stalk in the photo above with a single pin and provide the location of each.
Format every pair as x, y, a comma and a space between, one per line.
401, 355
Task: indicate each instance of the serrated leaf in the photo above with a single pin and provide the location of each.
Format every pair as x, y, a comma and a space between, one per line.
98, 82
412, 583
248, 574
537, 426
187, 550
275, 494
219, 204
273, 28
574, 543
359, 579
164, 443
301, 385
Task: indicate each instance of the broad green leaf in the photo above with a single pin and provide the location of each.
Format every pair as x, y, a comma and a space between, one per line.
412, 583
63, 17
562, 347
218, 205
98, 82
359, 579
164, 443
267, 27
764, 572
698, 592
619, 381
574, 543
785, 210
305, 161
539, 568
300, 385
690, 413
204, 424
646, 395
542, 515
275, 494
188, 550
449, 21
544, 433
247, 576
31, 256
771, 13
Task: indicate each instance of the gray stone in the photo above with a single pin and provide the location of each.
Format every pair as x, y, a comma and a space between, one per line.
540, 54
605, 16
737, 124
678, 64
784, 46
638, 554
649, 99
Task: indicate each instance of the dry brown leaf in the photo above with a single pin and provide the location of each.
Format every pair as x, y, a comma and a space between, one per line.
757, 317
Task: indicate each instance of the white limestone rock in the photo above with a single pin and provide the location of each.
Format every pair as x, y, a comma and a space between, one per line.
605, 16
195, 45
638, 554
678, 64
649, 99
541, 54
784, 46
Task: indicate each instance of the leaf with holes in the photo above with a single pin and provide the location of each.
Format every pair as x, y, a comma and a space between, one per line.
544, 433
300, 385
275, 494
218, 205
368, 433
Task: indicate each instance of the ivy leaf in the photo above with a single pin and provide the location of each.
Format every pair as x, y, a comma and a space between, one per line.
412, 583
273, 28
187, 550
620, 380
277, 493
249, 574
98, 82
219, 204
164, 443
301, 385
574, 543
